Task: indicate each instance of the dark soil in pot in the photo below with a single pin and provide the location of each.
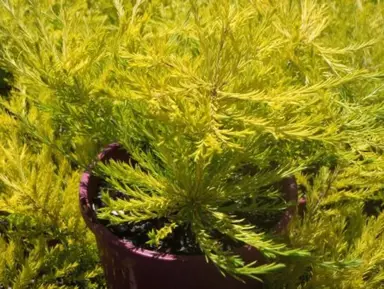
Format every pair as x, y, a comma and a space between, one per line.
181, 241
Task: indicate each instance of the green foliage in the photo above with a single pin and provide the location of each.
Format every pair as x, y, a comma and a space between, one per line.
199, 91
346, 243
43, 240
157, 235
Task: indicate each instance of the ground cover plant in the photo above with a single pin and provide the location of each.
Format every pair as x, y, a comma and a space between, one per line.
296, 83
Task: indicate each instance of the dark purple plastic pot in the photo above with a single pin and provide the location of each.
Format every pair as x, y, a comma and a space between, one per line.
129, 267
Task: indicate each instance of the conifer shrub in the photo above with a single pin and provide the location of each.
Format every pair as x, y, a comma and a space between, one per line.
196, 91
44, 242
346, 238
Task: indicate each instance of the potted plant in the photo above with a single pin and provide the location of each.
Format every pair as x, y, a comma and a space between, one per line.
150, 237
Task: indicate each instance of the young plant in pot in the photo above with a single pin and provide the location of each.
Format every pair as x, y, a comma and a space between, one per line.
158, 219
